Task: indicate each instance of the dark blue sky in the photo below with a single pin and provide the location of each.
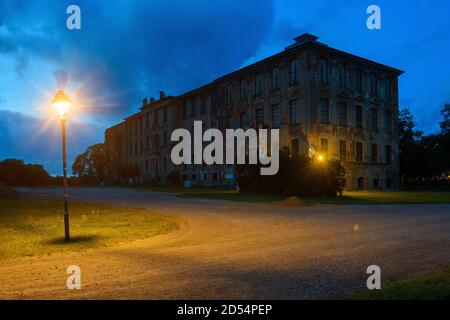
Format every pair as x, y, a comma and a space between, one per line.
130, 49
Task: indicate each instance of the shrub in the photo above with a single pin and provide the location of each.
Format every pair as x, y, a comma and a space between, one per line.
298, 175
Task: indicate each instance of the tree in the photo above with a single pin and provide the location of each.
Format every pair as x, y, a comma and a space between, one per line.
424, 159
409, 144
15, 172
445, 123
90, 166
299, 175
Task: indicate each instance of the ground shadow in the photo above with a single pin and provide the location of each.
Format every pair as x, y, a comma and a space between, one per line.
74, 240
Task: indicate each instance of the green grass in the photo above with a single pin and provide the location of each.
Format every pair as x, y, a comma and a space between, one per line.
368, 197
387, 197
432, 286
30, 227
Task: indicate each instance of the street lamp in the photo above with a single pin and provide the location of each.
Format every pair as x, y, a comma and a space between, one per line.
62, 103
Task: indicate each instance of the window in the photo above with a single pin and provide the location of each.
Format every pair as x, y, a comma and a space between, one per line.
324, 145
373, 84
165, 114
184, 112
323, 71
294, 112
343, 150
148, 142
276, 116
147, 169
293, 72
342, 110
193, 111
359, 151
147, 120
388, 122
244, 89
259, 116
359, 117
243, 120
374, 119
229, 94
131, 149
360, 183
142, 146
165, 163
136, 148
324, 111
230, 122
155, 117
275, 78
203, 105
295, 145
342, 77
374, 152
214, 101
258, 85
388, 153
387, 88
156, 143
359, 80
165, 137
375, 183
389, 183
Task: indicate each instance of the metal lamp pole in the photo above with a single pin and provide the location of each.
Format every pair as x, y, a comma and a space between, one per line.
62, 103
66, 192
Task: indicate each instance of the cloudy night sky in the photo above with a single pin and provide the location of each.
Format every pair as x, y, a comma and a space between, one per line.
128, 50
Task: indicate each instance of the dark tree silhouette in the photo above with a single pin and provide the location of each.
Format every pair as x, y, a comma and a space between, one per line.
90, 166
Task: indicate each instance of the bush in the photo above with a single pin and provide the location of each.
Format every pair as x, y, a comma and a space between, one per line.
15, 172
297, 176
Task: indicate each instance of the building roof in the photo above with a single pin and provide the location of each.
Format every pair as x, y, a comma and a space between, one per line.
301, 41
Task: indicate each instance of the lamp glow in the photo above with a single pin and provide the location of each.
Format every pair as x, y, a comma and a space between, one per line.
61, 103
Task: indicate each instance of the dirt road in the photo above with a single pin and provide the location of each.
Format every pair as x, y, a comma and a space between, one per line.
241, 250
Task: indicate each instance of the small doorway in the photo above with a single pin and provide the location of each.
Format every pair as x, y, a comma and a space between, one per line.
360, 183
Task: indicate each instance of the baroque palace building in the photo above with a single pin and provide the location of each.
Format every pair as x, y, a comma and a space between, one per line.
322, 100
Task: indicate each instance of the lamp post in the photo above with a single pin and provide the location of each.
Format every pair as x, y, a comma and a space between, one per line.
62, 103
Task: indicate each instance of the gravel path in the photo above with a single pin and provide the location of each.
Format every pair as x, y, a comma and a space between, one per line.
241, 250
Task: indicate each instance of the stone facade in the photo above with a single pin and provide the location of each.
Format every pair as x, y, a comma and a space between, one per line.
323, 100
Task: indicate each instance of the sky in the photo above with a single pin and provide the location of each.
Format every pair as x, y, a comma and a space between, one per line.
130, 49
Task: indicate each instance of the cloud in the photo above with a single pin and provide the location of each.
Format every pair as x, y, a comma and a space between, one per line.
130, 49
39, 140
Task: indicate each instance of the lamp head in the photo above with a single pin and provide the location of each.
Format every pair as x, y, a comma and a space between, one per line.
61, 102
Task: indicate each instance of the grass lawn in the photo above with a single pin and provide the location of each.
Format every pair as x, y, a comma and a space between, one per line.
432, 286
368, 197
30, 227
